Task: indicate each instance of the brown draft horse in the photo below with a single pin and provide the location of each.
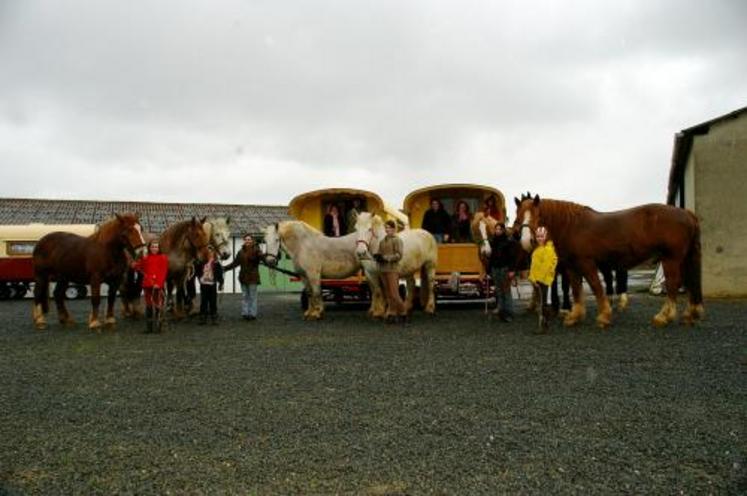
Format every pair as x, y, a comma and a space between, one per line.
184, 243
99, 258
585, 238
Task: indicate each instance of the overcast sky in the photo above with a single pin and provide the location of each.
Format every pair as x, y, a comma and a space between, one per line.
257, 101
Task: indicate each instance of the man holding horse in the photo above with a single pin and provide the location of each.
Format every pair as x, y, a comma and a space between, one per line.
501, 262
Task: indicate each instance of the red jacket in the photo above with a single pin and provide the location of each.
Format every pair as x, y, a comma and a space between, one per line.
154, 269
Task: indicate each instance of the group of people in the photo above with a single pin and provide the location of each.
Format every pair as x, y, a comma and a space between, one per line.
154, 268
339, 221
457, 227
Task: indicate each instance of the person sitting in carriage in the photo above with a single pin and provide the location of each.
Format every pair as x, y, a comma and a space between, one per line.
490, 209
461, 223
352, 215
154, 266
210, 275
334, 224
437, 222
502, 249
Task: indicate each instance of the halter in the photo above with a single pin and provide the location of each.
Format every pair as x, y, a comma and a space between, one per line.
368, 243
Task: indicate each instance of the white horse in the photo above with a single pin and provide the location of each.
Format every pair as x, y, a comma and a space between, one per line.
219, 232
420, 254
315, 256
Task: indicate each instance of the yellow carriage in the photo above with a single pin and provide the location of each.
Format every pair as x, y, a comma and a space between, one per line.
460, 274
311, 207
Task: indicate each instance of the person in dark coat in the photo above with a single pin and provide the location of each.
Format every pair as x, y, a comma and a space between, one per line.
437, 222
210, 275
461, 223
502, 249
248, 259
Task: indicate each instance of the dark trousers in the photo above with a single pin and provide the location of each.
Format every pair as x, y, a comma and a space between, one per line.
621, 281
208, 300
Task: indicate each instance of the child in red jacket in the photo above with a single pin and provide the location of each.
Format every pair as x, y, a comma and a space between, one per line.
154, 266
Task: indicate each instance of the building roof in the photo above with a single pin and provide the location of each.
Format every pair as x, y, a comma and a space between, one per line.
154, 217
683, 143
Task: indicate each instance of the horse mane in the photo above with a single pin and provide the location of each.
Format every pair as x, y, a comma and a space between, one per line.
561, 214
109, 230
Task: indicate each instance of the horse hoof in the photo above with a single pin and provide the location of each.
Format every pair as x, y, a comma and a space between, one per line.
570, 322
110, 322
660, 322
41, 326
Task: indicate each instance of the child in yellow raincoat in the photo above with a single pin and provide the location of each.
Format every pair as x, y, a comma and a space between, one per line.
542, 270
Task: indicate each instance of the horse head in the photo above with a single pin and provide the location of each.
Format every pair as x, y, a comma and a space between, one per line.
131, 233
527, 218
483, 230
198, 238
220, 235
370, 231
272, 244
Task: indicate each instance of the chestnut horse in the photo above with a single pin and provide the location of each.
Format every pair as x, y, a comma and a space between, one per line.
99, 258
585, 239
184, 243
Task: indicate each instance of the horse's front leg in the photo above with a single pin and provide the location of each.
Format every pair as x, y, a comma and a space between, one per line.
316, 305
378, 303
93, 320
428, 284
604, 310
179, 306
578, 309
41, 302
111, 299
673, 280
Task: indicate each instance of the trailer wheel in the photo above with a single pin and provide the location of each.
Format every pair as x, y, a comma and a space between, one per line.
76, 292
304, 300
20, 290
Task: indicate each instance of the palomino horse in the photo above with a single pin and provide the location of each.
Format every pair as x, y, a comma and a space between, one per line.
219, 232
184, 243
585, 238
99, 258
315, 256
420, 254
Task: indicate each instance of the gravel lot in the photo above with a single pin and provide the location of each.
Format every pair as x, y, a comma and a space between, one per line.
455, 404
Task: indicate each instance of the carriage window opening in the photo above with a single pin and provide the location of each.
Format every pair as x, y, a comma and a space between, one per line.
21, 248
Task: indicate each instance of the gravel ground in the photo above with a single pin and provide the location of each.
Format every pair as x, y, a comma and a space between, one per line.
455, 404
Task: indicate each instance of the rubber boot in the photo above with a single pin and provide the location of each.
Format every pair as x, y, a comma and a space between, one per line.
148, 320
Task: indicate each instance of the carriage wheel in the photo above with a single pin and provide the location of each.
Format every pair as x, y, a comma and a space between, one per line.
4, 291
304, 300
402, 291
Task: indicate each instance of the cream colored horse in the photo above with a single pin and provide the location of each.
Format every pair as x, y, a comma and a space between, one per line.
420, 254
315, 256
483, 230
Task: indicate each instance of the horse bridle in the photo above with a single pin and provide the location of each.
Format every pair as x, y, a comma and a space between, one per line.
368, 243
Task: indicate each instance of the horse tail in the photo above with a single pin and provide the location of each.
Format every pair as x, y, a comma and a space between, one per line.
692, 267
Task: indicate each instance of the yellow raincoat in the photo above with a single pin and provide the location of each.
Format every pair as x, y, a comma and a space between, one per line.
544, 261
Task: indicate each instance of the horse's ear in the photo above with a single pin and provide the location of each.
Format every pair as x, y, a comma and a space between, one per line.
517, 201
202, 221
228, 219
536, 200
194, 219
119, 217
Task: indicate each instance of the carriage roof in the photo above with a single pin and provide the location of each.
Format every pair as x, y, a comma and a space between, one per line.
418, 201
33, 232
309, 207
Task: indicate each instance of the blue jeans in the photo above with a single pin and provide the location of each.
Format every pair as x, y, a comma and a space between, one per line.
503, 298
439, 237
248, 300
